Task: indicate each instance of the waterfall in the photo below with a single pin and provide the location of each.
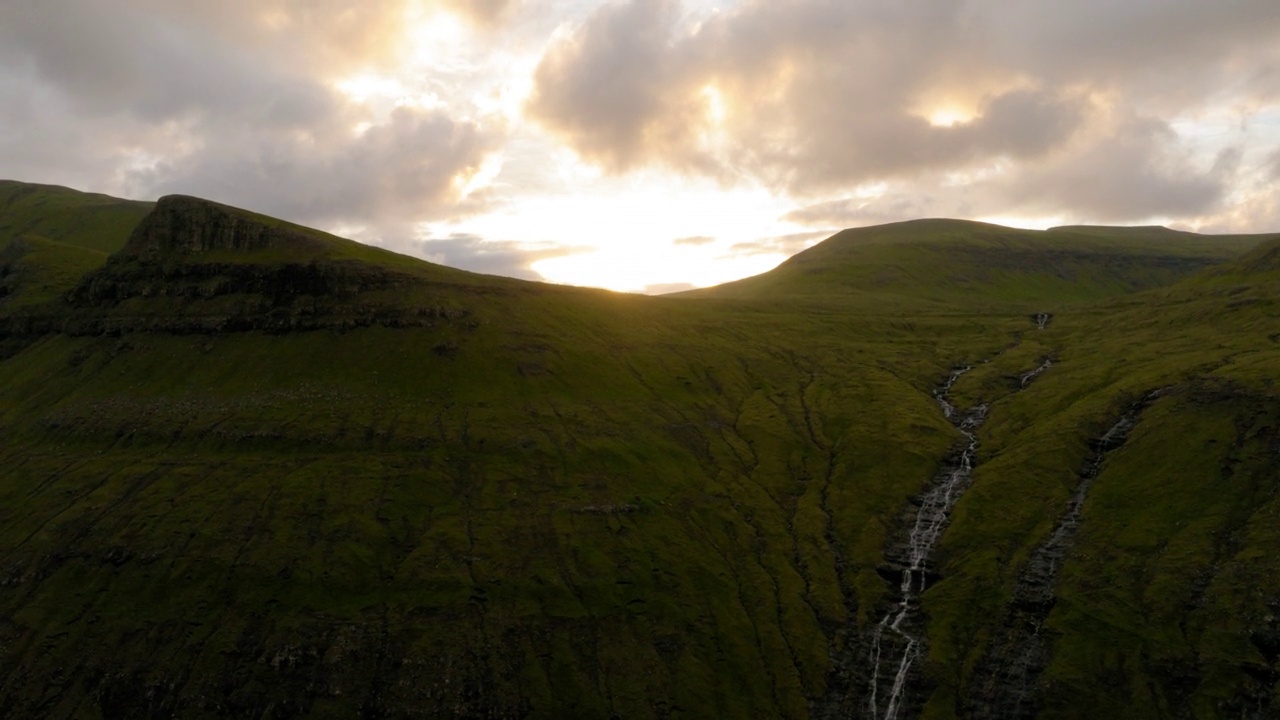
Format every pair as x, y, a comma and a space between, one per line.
895, 643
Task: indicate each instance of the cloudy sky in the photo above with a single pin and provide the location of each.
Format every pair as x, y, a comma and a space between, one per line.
652, 144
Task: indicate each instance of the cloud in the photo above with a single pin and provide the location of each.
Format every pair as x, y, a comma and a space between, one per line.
396, 171
785, 244
485, 13
815, 97
192, 98
693, 241
113, 59
857, 212
471, 252
668, 288
808, 96
612, 88
855, 112
1121, 170
1134, 171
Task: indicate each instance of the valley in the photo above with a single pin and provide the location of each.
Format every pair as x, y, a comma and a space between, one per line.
934, 469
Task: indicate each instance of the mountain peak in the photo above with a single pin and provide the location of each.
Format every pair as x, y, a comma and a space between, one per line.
187, 225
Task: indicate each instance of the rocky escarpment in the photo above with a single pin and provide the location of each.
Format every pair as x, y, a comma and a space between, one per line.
194, 266
188, 225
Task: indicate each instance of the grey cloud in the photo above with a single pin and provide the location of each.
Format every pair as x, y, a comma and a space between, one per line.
471, 252
824, 95
117, 59
1128, 171
1025, 123
397, 171
1132, 173
606, 86
300, 35
1259, 213
1273, 161
785, 244
1166, 44
857, 212
824, 92
44, 138
145, 98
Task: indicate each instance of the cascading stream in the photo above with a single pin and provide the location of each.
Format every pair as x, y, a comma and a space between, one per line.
895, 643
1032, 375
930, 521
1004, 686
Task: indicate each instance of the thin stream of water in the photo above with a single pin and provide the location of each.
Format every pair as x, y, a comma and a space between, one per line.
895, 645
930, 521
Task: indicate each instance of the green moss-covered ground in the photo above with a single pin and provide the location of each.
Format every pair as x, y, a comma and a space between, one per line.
555, 502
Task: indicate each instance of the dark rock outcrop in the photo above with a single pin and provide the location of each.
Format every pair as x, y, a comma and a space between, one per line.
188, 225
194, 266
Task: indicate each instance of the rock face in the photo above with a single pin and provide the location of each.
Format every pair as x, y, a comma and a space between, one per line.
181, 224
193, 266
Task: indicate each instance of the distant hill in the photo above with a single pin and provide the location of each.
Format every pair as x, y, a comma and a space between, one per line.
962, 264
249, 469
94, 222
50, 236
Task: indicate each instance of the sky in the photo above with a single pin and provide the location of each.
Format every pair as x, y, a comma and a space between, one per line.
652, 145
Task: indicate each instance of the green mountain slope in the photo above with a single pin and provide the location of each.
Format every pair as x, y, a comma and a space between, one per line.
252, 470
973, 266
51, 236
94, 222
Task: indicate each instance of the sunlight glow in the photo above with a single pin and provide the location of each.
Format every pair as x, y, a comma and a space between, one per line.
385, 93
484, 175
366, 87
949, 116
434, 35
715, 104
1025, 223
627, 225
633, 271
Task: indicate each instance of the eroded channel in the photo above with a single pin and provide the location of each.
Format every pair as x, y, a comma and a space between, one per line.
1006, 678
898, 640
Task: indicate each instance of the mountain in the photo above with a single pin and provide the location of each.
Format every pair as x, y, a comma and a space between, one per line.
50, 236
254, 470
948, 263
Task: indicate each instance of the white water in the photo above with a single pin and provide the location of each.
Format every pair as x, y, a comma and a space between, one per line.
930, 521
1029, 376
1042, 319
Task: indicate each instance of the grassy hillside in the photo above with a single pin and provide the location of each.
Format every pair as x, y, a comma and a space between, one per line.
1165, 603
51, 236
251, 470
975, 267
95, 222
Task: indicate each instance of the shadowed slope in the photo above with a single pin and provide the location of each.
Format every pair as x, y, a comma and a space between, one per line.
959, 264
248, 469
52, 236
95, 222
194, 266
